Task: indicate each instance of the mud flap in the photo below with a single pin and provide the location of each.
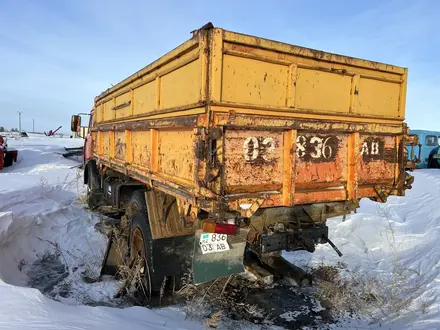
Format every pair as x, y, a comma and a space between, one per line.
113, 257
207, 267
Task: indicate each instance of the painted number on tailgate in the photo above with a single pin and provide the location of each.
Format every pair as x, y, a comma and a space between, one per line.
316, 148
373, 149
258, 147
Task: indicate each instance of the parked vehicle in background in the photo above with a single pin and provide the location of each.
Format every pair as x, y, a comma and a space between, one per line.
429, 142
7, 155
51, 132
233, 147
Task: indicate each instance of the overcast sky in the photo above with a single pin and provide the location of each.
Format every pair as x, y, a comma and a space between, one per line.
57, 55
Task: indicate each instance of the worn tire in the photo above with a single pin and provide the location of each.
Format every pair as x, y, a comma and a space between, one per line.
140, 231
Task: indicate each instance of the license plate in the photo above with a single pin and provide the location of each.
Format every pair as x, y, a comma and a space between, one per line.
212, 243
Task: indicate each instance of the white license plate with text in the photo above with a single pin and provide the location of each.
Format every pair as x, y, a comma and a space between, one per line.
212, 243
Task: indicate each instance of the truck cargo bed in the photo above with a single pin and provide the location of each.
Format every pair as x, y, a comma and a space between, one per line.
230, 122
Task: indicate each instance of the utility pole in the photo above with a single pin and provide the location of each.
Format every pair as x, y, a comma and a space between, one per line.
19, 120
33, 125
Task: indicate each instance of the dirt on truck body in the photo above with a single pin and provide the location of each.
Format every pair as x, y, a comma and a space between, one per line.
234, 145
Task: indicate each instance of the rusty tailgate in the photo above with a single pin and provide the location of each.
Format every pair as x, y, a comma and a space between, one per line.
289, 167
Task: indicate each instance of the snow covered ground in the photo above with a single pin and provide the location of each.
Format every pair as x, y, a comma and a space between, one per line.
40, 219
43, 224
397, 245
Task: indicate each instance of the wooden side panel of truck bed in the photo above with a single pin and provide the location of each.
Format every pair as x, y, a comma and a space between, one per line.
235, 119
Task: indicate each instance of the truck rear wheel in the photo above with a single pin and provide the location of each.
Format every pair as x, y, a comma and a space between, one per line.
147, 280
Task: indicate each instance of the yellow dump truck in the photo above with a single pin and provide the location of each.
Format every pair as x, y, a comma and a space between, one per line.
232, 147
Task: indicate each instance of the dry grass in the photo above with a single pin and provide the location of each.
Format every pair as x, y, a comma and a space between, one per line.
353, 294
81, 193
359, 293
91, 260
43, 182
399, 292
81, 267
219, 300
132, 270
213, 321
135, 286
81, 199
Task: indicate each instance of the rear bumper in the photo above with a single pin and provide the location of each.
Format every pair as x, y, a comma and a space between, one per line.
304, 239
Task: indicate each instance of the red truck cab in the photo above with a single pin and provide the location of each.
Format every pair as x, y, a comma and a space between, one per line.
88, 152
78, 129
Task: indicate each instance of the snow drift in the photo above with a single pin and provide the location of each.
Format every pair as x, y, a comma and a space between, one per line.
396, 244
43, 228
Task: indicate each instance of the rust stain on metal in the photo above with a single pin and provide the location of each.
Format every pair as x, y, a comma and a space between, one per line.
243, 49
139, 125
253, 160
330, 127
373, 149
321, 161
320, 196
376, 159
